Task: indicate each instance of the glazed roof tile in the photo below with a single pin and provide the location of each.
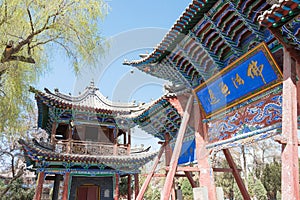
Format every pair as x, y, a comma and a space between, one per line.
279, 13
90, 99
188, 18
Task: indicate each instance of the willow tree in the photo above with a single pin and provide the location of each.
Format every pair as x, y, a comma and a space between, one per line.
29, 30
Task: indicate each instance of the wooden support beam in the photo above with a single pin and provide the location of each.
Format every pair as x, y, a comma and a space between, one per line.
53, 132
39, 187
57, 180
289, 156
224, 169
117, 181
168, 149
283, 140
150, 175
185, 169
236, 175
206, 175
136, 185
177, 149
129, 142
66, 186
129, 191
190, 178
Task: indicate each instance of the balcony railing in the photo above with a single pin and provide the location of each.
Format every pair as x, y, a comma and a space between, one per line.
89, 148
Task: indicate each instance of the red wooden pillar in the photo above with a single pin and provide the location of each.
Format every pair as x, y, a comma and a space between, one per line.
116, 196
177, 149
289, 156
53, 132
39, 188
129, 187
136, 185
66, 186
206, 175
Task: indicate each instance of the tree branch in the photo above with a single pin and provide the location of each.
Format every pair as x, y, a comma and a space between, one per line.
19, 174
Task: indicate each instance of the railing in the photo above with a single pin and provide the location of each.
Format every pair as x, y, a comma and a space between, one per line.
89, 148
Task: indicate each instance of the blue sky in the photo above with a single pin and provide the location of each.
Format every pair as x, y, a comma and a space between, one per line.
131, 27
146, 20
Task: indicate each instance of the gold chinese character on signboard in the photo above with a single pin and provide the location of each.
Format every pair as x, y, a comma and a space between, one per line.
213, 99
224, 89
237, 80
254, 70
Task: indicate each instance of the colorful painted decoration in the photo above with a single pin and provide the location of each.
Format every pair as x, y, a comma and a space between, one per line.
246, 77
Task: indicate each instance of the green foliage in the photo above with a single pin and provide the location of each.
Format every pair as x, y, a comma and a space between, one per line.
256, 188
186, 188
271, 178
29, 31
225, 180
17, 191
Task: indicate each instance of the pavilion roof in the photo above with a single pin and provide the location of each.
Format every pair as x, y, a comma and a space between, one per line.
92, 105
90, 100
209, 36
44, 156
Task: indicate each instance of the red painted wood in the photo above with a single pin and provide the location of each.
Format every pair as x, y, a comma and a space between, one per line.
39, 188
150, 175
186, 169
176, 152
66, 186
190, 178
129, 191
236, 175
289, 156
136, 185
206, 176
116, 196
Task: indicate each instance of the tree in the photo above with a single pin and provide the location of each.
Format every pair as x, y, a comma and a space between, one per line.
256, 188
186, 188
29, 30
271, 179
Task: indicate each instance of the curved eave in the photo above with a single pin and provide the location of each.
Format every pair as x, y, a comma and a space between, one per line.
190, 17
162, 117
41, 155
68, 102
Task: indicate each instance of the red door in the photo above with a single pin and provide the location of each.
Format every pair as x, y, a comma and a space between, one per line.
88, 192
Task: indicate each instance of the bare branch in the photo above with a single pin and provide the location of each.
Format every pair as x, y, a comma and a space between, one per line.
45, 42
30, 19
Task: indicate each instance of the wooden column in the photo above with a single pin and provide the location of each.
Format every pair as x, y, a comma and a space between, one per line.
150, 175
53, 132
168, 150
206, 175
56, 187
66, 186
236, 175
289, 156
177, 149
39, 187
116, 196
129, 191
129, 141
136, 185
115, 150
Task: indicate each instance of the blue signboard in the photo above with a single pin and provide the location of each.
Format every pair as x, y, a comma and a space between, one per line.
249, 75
